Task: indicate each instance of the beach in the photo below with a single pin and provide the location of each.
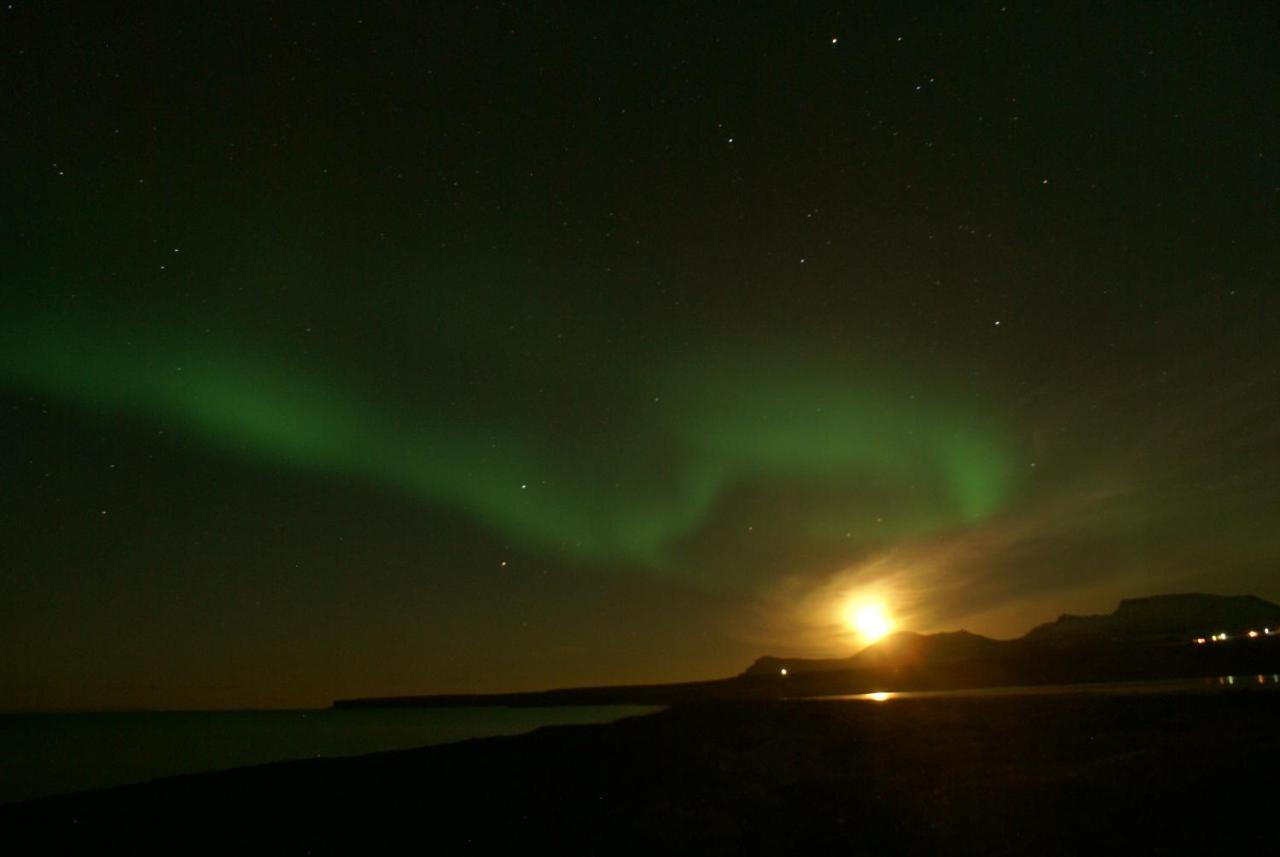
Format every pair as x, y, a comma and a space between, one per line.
1146, 773
45, 755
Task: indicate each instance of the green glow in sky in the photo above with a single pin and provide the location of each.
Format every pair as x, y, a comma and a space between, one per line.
624, 498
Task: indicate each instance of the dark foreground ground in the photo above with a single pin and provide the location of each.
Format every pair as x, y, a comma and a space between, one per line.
1053, 775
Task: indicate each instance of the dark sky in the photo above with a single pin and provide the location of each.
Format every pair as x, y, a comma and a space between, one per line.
417, 347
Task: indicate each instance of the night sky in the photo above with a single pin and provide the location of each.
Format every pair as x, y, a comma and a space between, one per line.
411, 348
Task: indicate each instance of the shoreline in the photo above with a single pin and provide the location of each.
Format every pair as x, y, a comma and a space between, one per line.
1157, 773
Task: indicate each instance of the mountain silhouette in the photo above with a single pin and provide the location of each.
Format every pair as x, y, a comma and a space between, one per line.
1164, 618
1138, 624
1161, 637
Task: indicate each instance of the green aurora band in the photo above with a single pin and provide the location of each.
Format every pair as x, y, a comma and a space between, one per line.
721, 428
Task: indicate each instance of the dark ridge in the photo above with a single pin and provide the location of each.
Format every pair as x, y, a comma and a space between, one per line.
1144, 639
1083, 774
1164, 618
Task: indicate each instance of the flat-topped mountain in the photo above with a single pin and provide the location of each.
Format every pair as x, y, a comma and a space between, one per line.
1138, 622
1162, 637
1164, 617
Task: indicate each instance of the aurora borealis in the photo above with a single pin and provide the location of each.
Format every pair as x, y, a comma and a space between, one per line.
403, 351
721, 430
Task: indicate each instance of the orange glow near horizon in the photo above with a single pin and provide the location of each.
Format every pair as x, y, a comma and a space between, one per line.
870, 620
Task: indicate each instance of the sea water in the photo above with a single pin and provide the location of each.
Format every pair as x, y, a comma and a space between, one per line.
50, 754
1269, 682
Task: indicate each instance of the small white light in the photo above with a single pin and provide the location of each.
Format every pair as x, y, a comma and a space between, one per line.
782, 671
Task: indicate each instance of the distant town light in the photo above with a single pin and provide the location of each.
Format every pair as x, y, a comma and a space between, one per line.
879, 696
1199, 641
1253, 633
782, 671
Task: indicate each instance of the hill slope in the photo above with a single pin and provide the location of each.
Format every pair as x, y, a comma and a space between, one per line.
1160, 620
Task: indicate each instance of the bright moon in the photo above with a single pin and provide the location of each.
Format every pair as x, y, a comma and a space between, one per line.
869, 620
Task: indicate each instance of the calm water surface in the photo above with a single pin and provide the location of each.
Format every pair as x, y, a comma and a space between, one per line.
49, 754
1219, 684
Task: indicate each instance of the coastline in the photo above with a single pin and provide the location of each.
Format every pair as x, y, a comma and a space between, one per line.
1156, 773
